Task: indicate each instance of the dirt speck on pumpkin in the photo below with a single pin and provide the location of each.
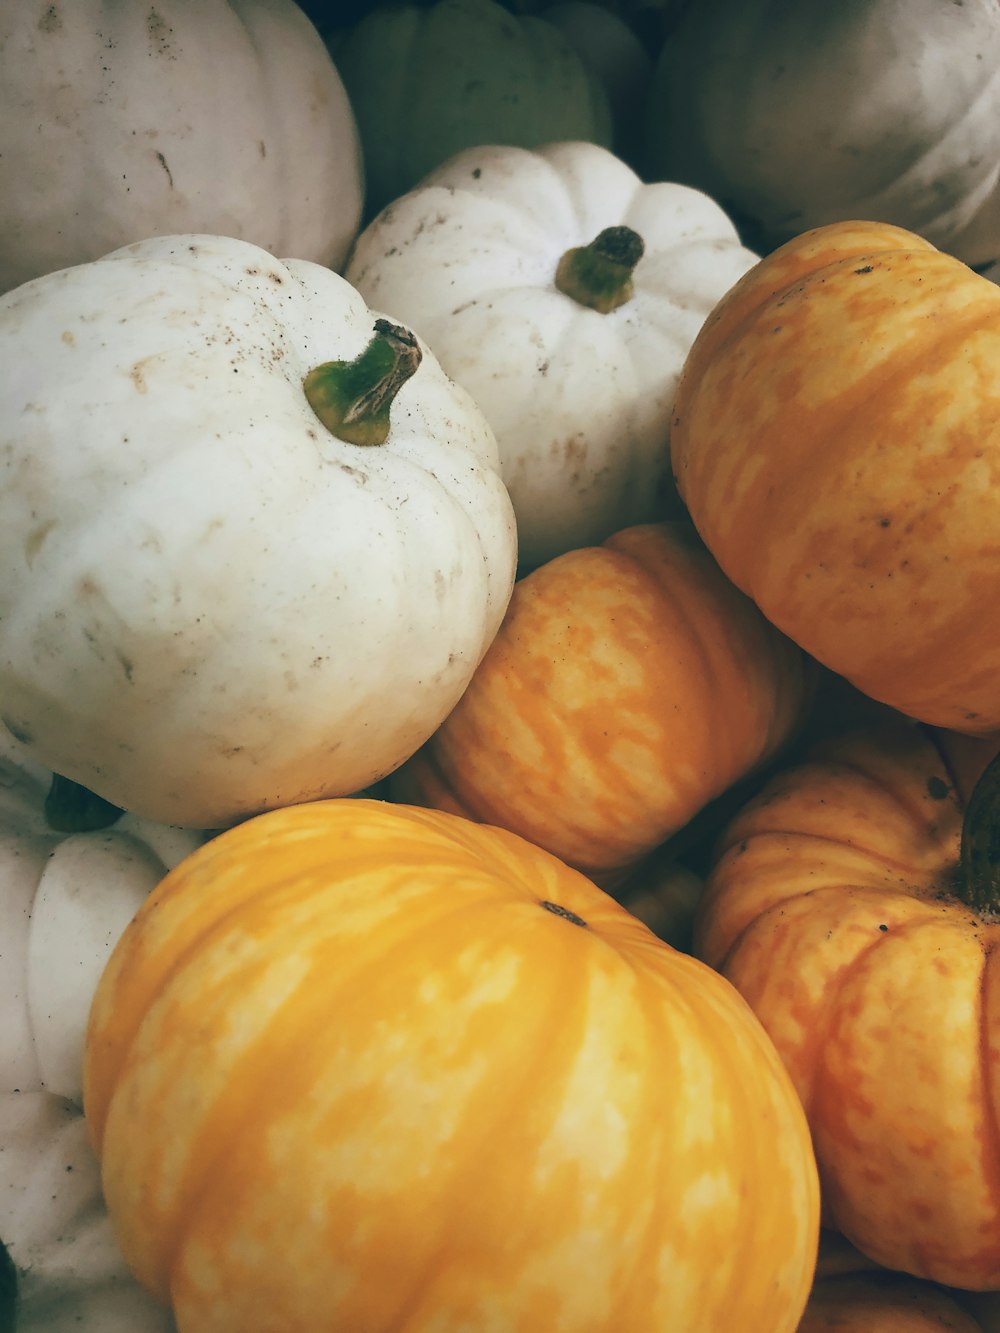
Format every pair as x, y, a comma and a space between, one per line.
160, 35
163, 163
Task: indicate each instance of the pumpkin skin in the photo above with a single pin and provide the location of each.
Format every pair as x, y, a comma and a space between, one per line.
428, 81
355, 1033
831, 909
64, 900
983, 1306
612, 50
211, 604
70, 1271
628, 685
837, 431
580, 400
121, 122
851, 1294
876, 1303
797, 115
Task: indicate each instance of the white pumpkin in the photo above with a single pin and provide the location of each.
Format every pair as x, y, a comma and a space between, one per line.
212, 605
64, 901
799, 113
580, 400
121, 121
71, 1277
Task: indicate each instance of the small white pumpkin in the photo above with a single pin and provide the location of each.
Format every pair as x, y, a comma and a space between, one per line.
121, 121
580, 398
211, 604
64, 900
71, 1277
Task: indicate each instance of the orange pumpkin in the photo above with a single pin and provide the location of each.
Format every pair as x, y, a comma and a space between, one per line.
664, 895
361, 1067
629, 684
837, 443
838, 909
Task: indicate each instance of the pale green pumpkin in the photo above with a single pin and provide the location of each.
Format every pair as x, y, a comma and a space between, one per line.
428, 81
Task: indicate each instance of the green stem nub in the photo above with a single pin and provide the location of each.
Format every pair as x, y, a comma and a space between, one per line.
72, 808
599, 275
979, 878
353, 398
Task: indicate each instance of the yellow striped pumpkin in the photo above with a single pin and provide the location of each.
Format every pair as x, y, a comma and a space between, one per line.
629, 684
854, 904
366, 1068
837, 443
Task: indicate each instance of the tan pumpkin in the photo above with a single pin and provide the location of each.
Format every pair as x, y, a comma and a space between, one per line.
397, 1070
838, 908
884, 1303
837, 443
853, 1295
628, 685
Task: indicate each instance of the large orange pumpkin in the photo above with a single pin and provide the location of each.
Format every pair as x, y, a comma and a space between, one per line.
629, 684
365, 1068
837, 442
838, 909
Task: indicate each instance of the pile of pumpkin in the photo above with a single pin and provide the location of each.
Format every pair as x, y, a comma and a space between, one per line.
498, 667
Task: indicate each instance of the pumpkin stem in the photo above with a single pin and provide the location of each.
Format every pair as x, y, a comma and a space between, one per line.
353, 398
599, 275
979, 876
557, 909
72, 808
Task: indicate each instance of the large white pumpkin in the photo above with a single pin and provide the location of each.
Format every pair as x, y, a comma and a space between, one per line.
580, 399
121, 121
795, 113
210, 604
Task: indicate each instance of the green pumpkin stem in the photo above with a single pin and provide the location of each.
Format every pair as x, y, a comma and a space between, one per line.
353, 398
979, 878
599, 275
72, 808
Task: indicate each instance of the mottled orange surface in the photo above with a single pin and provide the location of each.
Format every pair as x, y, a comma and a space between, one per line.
629, 684
348, 1073
831, 908
837, 443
